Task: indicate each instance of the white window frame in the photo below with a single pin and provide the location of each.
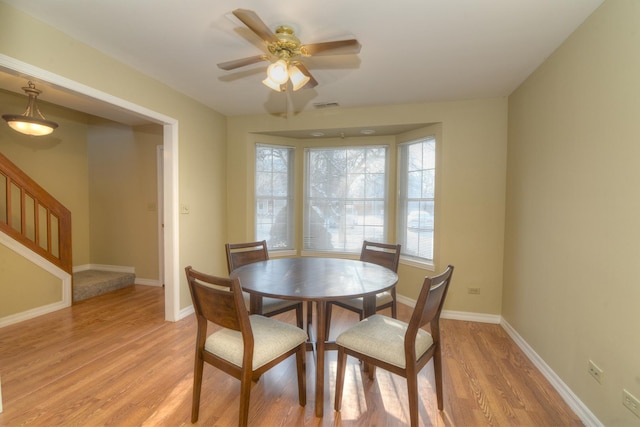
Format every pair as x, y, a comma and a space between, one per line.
344, 202
406, 231
270, 198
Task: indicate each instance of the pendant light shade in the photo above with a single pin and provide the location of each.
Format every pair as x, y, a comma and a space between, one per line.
298, 78
31, 122
281, 71
272, 85
278, 71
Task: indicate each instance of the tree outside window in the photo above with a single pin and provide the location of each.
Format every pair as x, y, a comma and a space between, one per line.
274, 200
345, 197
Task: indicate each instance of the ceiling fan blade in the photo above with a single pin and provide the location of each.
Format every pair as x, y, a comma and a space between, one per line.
312, 81
237, 63
255, 24
339, 47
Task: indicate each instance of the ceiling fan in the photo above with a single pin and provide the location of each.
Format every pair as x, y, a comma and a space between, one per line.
285, 52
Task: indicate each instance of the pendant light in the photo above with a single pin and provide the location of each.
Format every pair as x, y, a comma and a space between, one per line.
280, 72
31, 122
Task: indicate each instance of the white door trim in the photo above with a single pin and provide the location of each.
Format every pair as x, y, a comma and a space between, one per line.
170, 161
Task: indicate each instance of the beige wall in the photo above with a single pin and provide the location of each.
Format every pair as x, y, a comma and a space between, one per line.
74, 174
58, 162
123, 194
471, 185
20, 292
201, 131
572, 234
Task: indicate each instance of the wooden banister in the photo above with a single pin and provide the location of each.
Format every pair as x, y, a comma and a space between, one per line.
33, 217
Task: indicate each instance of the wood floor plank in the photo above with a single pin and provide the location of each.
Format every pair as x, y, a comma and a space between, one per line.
113, 361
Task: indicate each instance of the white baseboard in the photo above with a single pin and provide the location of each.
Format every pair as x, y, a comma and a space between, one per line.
186, 312
148, 282
457, 315
30, 314
471, 317
103, 267
117, 269
581, 410
65, 283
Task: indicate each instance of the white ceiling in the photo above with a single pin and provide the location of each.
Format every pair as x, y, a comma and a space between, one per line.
412, 50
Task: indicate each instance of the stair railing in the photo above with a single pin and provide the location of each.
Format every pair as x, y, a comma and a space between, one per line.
33, 217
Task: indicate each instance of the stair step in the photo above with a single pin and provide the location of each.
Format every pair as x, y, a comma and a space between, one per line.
91, 283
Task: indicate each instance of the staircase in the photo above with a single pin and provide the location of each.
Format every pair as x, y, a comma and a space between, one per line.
91, 283
34, 218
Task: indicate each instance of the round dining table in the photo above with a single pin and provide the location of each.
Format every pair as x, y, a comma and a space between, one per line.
319, 280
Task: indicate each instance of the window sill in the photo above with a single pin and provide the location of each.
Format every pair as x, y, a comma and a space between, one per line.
282, 254
424, 265
327, 254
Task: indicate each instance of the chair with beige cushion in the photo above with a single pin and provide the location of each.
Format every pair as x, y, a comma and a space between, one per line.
399, 347
245, 346
386, 255
239, 254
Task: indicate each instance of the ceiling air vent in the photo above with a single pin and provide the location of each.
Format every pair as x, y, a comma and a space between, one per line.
319, 105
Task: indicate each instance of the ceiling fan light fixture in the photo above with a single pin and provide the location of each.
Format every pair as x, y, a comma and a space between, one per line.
272, 85
298, 78
31, 122
278, 71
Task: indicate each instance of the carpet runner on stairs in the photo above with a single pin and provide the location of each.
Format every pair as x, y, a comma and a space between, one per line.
91, 283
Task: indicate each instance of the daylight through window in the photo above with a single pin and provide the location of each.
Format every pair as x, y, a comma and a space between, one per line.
417, 168
345, 197
274, 196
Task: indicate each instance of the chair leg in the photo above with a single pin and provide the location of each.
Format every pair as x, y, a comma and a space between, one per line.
412, 389
328, 320
299, 316
245, 394
340, 368
197, 386
437, 368
309, 313
371, 369
301, 365
394, 305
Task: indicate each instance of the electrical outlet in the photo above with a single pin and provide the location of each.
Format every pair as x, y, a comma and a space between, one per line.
473, 291
631, 403
596, 372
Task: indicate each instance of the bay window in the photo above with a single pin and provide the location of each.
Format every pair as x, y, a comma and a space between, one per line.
345, 199
274, 201
416, 195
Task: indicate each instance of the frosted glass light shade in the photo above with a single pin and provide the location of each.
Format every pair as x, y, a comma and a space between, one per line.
278, 72
272, 85
29, 125
31, 122
298, 78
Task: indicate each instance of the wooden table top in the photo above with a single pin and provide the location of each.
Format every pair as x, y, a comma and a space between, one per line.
314, 278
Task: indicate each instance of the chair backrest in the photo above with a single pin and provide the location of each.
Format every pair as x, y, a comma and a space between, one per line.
239, 254
384, 254
218, 300
429, 305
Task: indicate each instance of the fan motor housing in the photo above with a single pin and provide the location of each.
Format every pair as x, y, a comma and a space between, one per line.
287, 46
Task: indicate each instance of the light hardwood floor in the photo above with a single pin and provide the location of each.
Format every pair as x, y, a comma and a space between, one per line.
112, 361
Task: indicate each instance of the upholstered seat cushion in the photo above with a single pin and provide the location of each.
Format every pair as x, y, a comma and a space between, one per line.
271, 339
269, 305
382, 337
357, 303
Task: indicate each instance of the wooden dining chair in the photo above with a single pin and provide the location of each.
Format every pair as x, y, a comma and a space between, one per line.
245, 346
386, 255
239, 254
399, 347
